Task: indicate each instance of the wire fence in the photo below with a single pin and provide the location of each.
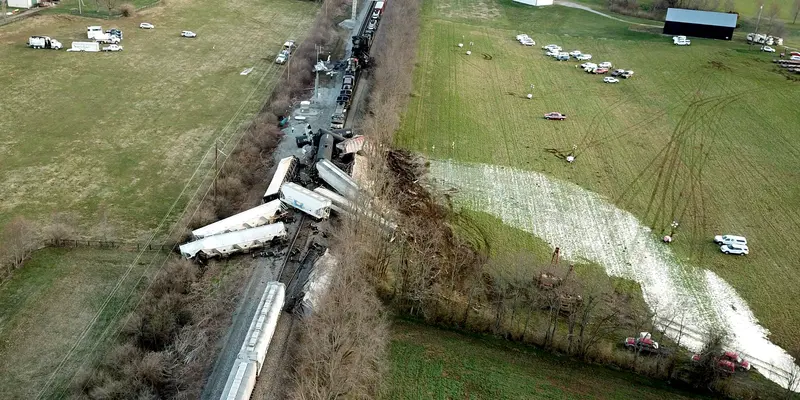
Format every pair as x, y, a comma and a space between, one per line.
19, 17
106, 244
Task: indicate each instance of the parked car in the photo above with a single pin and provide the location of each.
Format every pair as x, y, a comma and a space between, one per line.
795, 58
737, 249
588, 65
562, 57
605, 64
767, 49
188, 34
679, 38
683, 42
617, 72
146, 25
600, 71
527, 41
372, 24
552, 53
609, 79
794, 53
627, 74
730, 239
584, 57
575, 53
555, 115
551, 46
112, 47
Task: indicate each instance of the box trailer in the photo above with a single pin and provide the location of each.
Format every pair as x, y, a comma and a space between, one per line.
254, 217
305, 200
85, 46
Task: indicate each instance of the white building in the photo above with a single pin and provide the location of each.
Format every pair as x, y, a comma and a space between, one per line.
535, 2
22, 3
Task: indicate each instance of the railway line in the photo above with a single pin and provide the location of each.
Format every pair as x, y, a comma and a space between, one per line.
260, 366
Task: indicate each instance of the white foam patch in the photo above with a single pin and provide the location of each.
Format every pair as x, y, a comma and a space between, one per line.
586, 226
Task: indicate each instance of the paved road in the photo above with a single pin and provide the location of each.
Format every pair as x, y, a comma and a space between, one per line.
583, 7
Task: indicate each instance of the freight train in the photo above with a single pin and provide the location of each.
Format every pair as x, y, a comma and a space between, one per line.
360, 59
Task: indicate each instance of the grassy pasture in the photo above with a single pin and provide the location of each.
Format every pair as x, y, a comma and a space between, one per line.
116, 136
46, 307
704, 134
431, 363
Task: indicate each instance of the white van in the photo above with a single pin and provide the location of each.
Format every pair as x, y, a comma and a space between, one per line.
730, 239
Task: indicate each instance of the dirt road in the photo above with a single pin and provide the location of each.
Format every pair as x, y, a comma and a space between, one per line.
583, 7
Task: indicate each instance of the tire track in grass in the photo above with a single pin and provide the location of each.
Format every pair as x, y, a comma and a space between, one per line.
586, 226
493, 75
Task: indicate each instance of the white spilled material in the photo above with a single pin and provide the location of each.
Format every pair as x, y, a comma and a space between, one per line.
586, 226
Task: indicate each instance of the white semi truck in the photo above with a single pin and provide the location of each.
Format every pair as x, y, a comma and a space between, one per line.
44, 42
96, 33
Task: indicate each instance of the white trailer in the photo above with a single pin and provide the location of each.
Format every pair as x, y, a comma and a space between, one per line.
85, 46
234, 242
44, 42
338, 179
305, 200
259, 335
241, 380
318, 282
257, 216
283, 172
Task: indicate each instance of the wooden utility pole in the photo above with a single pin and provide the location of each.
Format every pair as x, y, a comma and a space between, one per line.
216, 171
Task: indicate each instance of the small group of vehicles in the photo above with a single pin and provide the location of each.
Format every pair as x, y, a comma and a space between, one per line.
727, 362
285, 52
554, 50
525, 40
732, 244
681, 41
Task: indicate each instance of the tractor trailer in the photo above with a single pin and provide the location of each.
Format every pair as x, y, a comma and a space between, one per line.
44, 42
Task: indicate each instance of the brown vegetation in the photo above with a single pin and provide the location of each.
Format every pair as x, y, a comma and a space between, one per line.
342, 352
18, 240
166, 343
127, 10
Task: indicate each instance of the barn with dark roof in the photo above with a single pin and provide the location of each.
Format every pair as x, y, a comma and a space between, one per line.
706, 24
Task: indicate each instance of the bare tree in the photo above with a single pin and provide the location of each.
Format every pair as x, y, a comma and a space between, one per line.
18, 241
793, 377
773, 11
795, 11
108, 4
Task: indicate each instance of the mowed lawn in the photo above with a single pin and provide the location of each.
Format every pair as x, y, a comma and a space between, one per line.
705, 134
117, 135
46, 307
429, 363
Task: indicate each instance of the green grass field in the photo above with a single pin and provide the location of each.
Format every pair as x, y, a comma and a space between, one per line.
429, 363
718, 109
45, 309
119, 134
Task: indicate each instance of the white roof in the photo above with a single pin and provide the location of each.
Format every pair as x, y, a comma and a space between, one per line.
281, 171
251, 218
701, 17
230, 242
